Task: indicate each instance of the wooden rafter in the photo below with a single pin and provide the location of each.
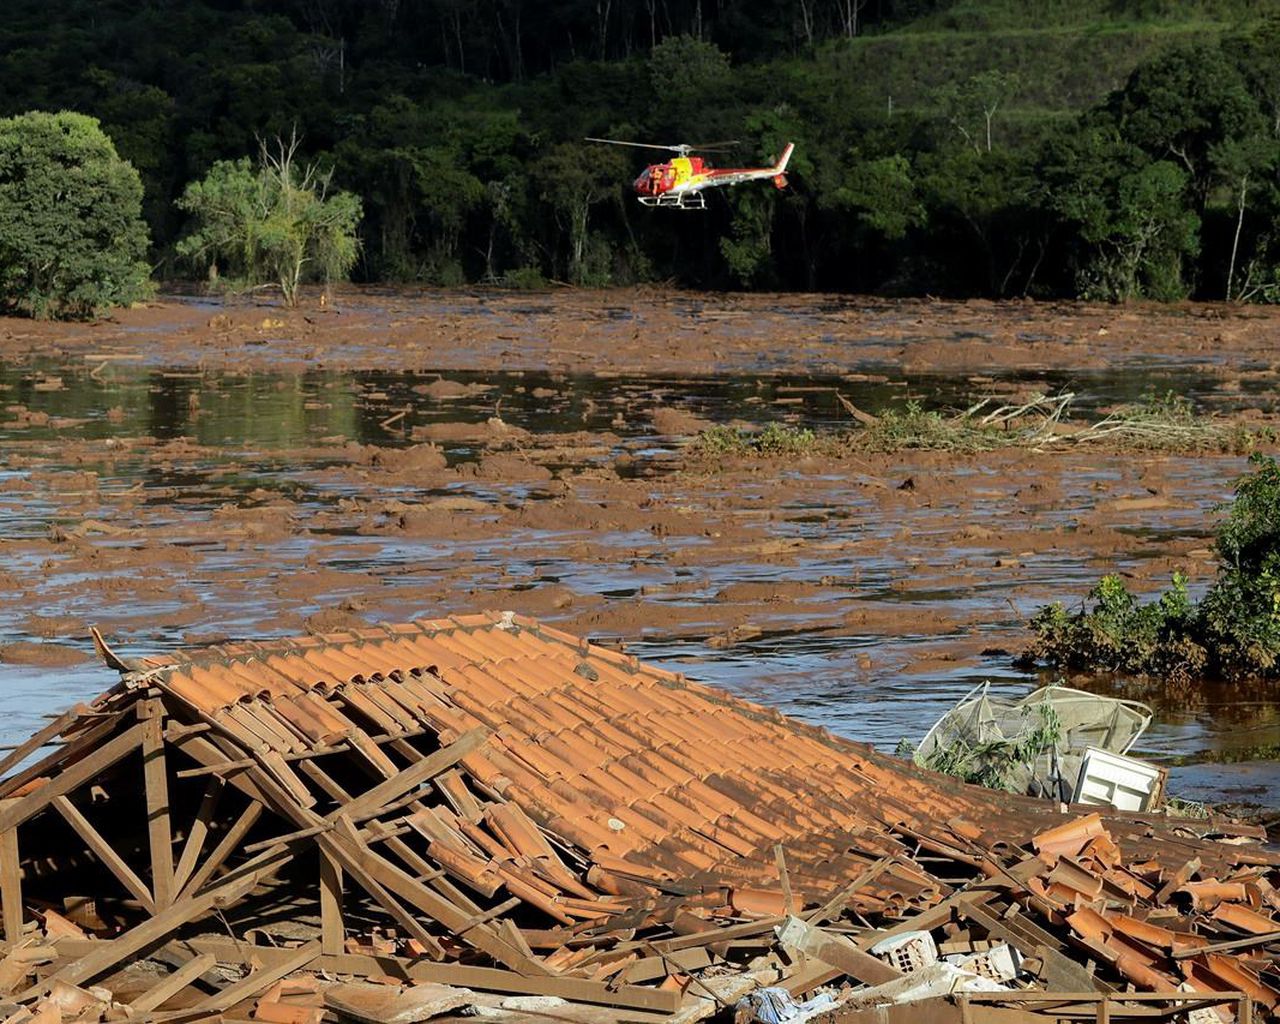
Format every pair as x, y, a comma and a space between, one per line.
194, 844
156, 779
10, 883
104, 851
85, 770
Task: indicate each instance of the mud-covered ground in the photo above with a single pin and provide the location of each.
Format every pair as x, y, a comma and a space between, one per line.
192, 471
652, 332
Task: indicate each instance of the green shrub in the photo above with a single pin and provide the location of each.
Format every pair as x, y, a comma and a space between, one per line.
1121, 635
1233, 633
72, 238
775, 439
525, 279
277, 222
722, 440
778, 439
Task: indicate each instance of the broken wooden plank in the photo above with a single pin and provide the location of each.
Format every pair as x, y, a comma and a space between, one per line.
201, 749
50, 732
484, 979
172, 984
784, 879
653, 967
84, 770
289, 837
729, 933
1225, 947
250, 986
332, 929
835, 906
228, 844
74, 749
369, 803
837, 951
225, 768
10, 883
199, 831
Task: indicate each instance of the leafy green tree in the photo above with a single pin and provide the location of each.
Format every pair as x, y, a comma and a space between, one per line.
986, 226
573, 183
692, 88
747, 248
971, 106
1245, 166
884, 193
1132, 218
72, 238
1254, 53
275, 223
1181, 105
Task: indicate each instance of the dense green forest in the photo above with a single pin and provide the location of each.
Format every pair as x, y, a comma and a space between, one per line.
1104, 148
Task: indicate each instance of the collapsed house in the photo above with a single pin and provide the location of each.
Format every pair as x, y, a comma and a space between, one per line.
486, 815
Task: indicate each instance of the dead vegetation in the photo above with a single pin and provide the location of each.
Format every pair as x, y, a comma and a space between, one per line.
1041, 423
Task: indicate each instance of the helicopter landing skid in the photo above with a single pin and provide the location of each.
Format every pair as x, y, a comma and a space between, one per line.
677, 201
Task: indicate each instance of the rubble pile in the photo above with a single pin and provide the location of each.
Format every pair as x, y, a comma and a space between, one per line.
485, 816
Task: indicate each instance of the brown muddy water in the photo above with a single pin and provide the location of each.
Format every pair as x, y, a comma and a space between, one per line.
174, 504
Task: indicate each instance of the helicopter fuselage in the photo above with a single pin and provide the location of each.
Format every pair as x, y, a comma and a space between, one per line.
670, 182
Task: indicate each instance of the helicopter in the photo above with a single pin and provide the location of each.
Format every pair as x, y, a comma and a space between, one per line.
679, 183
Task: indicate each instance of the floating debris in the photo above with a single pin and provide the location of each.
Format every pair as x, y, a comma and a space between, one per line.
1035, 744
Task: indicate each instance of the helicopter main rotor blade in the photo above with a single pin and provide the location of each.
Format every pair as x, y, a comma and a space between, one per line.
707, 147
639, 145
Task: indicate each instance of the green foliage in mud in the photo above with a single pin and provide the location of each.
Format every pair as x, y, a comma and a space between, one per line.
1232, 633
72, 238
1165, 422
776, 439
913, 426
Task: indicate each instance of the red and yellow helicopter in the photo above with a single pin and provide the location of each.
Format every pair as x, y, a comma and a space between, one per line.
679, 183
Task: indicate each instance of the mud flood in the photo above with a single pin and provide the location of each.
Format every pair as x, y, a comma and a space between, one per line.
195, 471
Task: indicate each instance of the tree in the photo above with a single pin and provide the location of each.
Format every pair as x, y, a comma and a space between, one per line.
691, 84
1183, 104
883, 193
748, 246
72, 238
1132, 216
980, 97
572, 185
275, 223
1241, 164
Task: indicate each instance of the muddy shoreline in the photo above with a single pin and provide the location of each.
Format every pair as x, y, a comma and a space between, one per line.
189, 472
648, 331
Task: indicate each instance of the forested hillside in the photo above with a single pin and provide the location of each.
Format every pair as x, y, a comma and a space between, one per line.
1108, 148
